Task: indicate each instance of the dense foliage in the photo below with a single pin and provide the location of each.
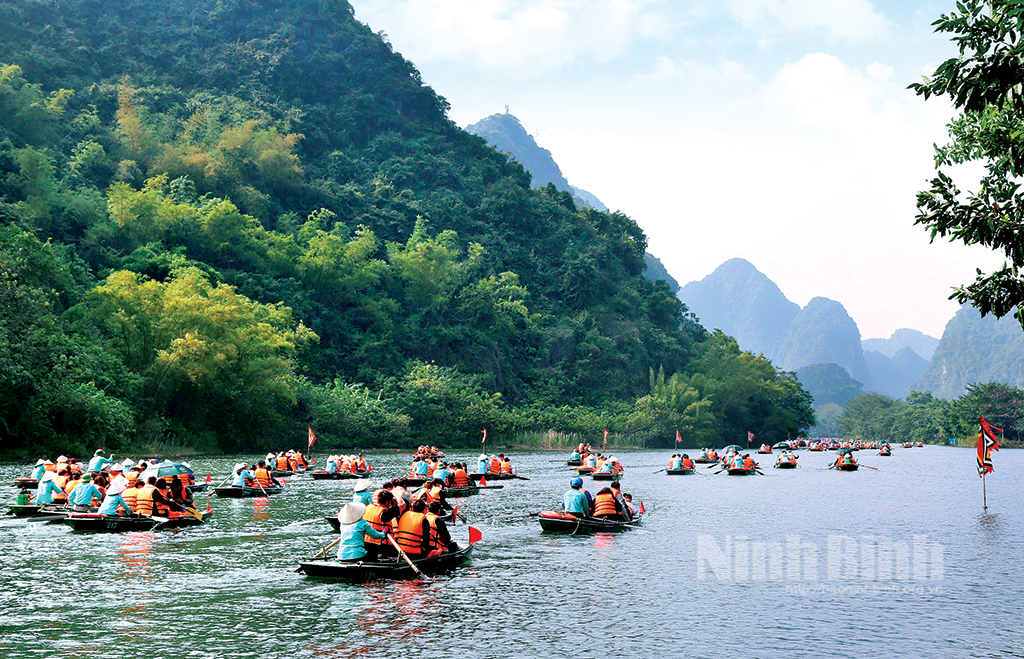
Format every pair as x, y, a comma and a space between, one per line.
920, 417
225, 220
984, 83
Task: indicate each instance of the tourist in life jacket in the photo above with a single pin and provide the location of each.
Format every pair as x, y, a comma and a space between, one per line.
460, 477
281, 462
575, 501
413, 534
675, 462
440, 539
115, 504
748, 462
263, 475
616, 489
47, 491
606, 506
383, 512
505, 467
151, 499
687, 463
481, 464
575, 456
354, 530
633, 512
85, 494
361, 493
179, 493
494, 466
75, 468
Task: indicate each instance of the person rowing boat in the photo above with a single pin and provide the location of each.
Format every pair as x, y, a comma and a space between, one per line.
577, 501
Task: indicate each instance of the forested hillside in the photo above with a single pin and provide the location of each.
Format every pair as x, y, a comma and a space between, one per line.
223, 220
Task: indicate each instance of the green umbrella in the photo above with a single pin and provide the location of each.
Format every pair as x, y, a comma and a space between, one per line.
844, 451
732, 447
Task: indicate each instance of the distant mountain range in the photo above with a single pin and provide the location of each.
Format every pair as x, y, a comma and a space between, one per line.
743, 302
814, 340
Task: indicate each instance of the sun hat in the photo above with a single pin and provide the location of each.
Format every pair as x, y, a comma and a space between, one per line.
116, 489
62, 458
48, 462
86, 478
351, 513
116, 467
362, 484
576, 482
40, 461
240, 465
99, 451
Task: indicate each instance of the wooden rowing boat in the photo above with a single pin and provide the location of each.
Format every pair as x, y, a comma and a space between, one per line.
26, 483
557, 522
740, 471
848, 466
583, 471
605, 476
232, 492
497, 477
383, 569
455, 492
323, 475
704, 461
680, 472
123, 524
282, 473
574, 463
783, 464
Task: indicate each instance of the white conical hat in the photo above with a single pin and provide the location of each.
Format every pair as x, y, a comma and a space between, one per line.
362, 485
40, 461
351, 513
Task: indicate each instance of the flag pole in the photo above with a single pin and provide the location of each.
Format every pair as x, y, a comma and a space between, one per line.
984, 494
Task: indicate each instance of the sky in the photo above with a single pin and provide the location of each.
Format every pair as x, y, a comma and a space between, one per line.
778, 131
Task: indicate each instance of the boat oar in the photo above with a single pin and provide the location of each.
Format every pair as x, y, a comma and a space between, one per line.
322, 552
405, 556
713, 465
867, 467
515, 516
660, 470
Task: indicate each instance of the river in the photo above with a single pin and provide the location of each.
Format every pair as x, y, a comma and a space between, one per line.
809, 562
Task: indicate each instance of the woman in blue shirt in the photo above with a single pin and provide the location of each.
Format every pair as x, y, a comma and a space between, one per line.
47, 488
353, 531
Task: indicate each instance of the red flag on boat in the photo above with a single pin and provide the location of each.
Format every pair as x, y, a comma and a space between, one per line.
455, 514
642, 510
312, 437
474, 535
679, 437
209, 479
208, 508
484, 440
483, 481
986, 444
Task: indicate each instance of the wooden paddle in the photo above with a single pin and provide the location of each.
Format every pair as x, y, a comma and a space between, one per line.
660, 470
867, 467
515, 516
405, 556
322, 552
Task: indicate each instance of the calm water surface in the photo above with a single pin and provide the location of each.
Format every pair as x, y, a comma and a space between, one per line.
716, 571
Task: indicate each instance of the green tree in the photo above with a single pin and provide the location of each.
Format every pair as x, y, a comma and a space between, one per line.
984, 83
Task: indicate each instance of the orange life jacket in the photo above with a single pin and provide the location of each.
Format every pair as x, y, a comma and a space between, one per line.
506, 467
687, 463
410, 532
460, 478
494, 467
129, 496
748, 463
372, 515
435, 540
263, 477
604, 504
144, 500
282, 463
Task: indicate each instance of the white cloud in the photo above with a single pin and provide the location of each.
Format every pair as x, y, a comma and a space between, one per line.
522, 39
849, 20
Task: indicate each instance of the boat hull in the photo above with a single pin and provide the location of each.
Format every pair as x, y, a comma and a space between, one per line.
324, 475
369, 570
785, 465
556, 522
848, 467
116, 524
26, 483
741, 472
605, 476
574, 463
680, 472
246, 492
